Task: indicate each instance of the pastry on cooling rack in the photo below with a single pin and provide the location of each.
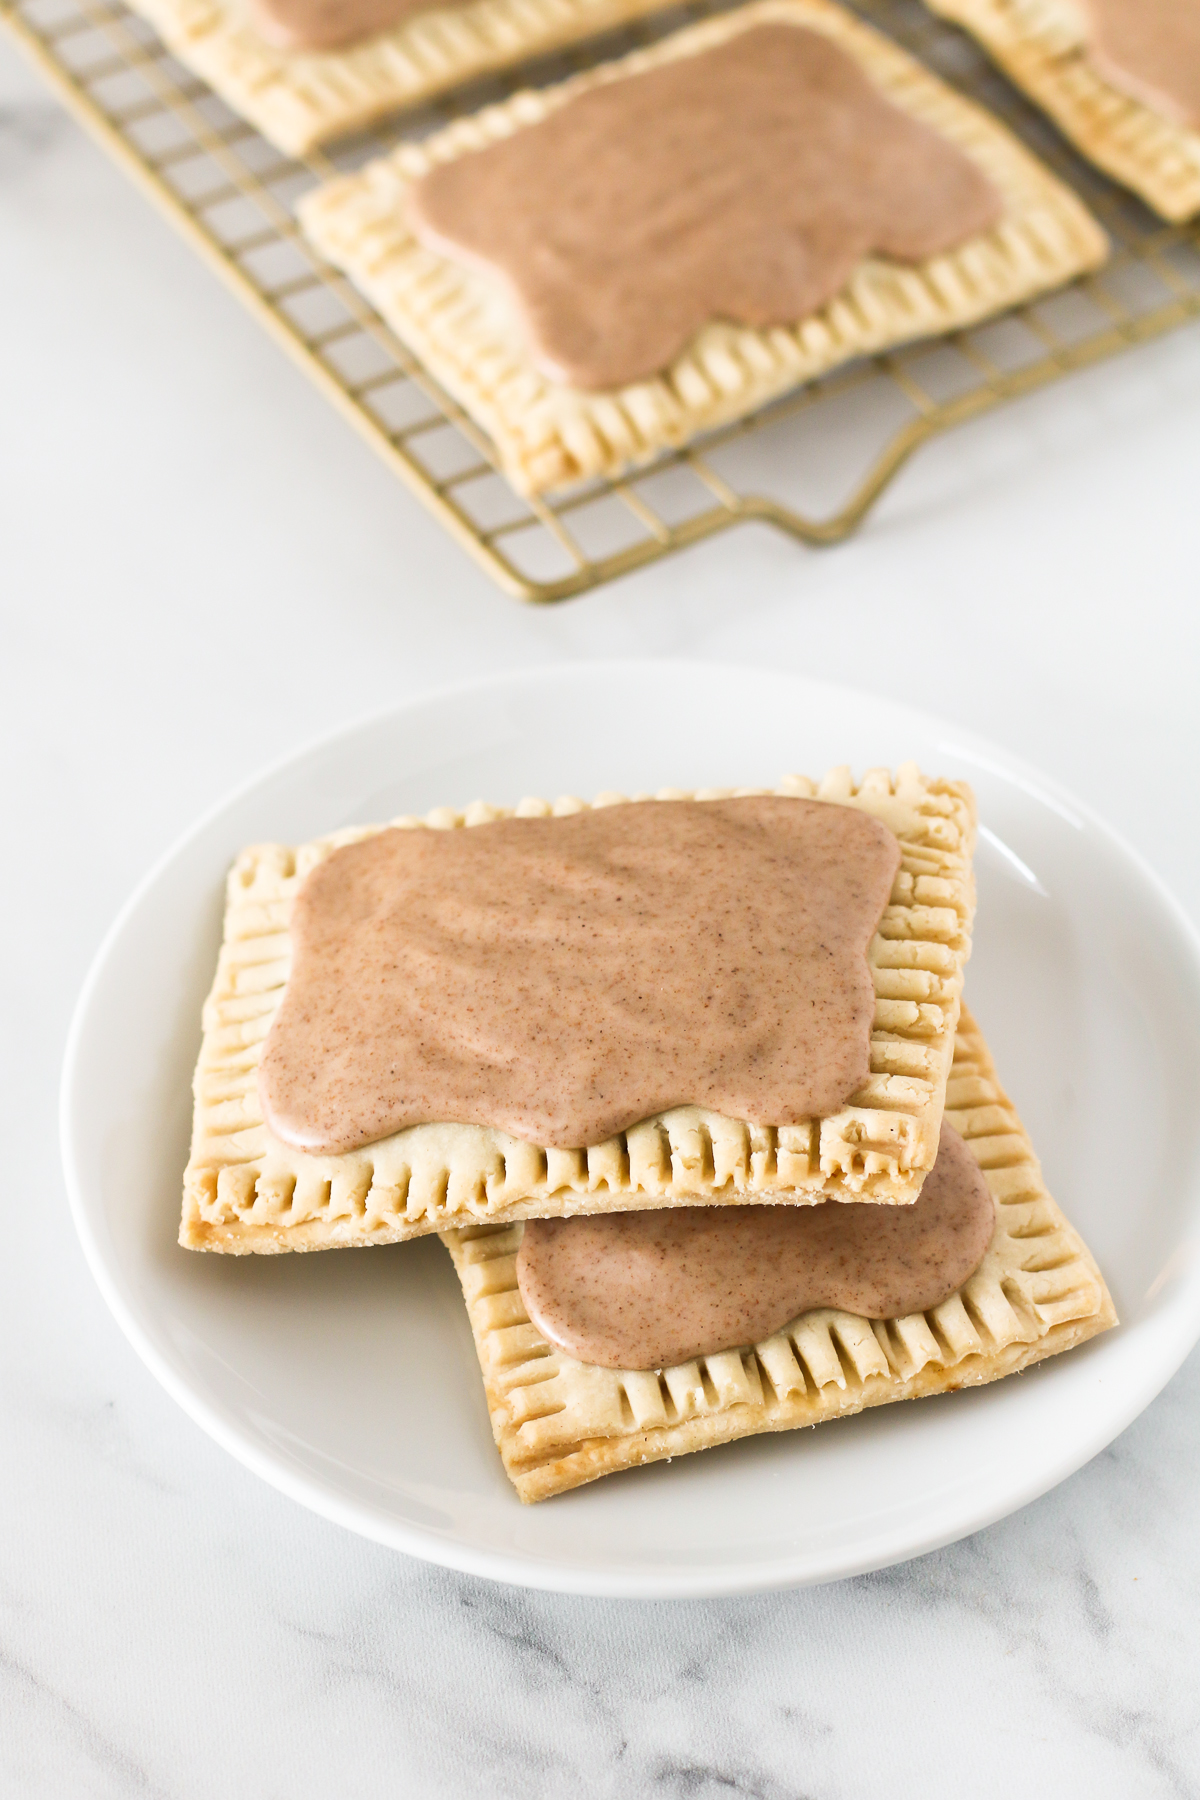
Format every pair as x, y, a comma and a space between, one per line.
307, 71
981, 1277
602, 269
1121, 78
718, 999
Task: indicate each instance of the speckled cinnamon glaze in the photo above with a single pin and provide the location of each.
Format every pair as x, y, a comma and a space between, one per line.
563, 978
328, 24
745, 182
1150, 49
650, 1290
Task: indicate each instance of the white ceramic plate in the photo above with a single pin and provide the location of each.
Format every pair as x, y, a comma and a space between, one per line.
349, 1380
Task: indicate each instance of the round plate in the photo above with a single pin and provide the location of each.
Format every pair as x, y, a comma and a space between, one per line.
350, 1382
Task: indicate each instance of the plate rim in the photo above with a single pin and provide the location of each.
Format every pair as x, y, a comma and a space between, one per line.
1178, 1326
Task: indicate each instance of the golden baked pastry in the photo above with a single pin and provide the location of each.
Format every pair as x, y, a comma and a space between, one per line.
549, 434
245, 1190
301, 98
558, 1423
1043, 46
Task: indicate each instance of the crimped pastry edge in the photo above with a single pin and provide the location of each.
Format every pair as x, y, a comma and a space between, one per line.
299, 99
1041, 45
548, 435
246, 1192
558, 1423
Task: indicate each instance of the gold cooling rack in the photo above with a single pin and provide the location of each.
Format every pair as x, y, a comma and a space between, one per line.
812, 464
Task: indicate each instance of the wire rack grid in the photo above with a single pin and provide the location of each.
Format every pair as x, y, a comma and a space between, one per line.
812, 464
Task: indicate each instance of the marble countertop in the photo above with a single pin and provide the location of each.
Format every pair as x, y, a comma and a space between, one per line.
200, 567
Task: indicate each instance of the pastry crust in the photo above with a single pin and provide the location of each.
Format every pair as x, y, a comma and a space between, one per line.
1042, 46
549, 435
246, 1191
301, 98
559, 1423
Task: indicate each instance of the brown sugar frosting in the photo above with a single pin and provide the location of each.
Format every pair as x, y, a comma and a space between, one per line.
744, 182
650, 1290
562, 979
1150, 49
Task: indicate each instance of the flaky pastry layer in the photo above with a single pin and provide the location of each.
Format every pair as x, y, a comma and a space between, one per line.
1042, 45
301, 98
245, 1190
549, 435
558, 1423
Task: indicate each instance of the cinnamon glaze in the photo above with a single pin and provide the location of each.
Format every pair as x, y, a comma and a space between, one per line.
1151, 50
563, 978
331, 24
648, 1290
745, 182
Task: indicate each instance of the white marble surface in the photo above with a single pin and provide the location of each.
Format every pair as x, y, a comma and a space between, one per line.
200, 567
